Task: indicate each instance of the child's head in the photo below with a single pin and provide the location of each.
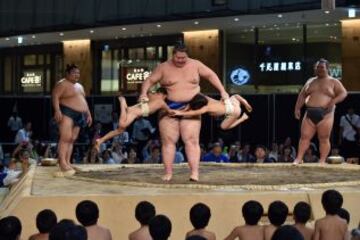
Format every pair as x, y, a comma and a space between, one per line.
87, 213
332, 201
287, 232
344, 214
252, 212
198, 101
144, 212
200, 215
302, 212
45, 220
160, 227
277, 213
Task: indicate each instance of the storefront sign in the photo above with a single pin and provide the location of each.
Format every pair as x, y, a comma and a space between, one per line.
280, 66
31, 80
136, 75
239, 76
335, 70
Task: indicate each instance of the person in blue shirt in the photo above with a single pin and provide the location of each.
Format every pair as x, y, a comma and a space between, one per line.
215, 155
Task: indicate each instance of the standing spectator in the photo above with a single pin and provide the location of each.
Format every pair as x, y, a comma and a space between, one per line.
45, 221
24, 134
215, 155
15, 124
142, 130
87, 213
144, 212
349, 136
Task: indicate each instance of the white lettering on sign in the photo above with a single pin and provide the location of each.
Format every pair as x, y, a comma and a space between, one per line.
280, 66
31, 79
137, 75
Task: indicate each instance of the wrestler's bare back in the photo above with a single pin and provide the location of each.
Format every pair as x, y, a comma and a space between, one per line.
320, 91
186, 78
71, 95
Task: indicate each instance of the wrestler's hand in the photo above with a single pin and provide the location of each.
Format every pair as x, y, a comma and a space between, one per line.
89, 120
297, 114
224, 95
175, 113
143, 98
58, 116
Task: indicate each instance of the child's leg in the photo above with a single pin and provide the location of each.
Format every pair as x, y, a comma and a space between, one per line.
127, 116
231, 122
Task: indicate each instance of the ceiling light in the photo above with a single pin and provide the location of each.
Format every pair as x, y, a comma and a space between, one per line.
7, 39
116, 37
351, 12
326, 24
20, 40
124, 28
196, 22
91, 31
61, 34
279, 15
158, 26
327, 12
33, 36
236, 19
294, 39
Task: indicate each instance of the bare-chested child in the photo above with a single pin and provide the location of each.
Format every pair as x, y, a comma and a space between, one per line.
331, 227
87, 213
217, 108
45, 221
144, 212
252, 212
129, 114
199, 216
277, 214
302, 213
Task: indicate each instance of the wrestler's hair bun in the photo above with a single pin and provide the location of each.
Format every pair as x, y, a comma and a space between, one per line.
70, 67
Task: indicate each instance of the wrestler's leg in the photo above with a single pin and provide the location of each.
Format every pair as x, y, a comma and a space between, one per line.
65, 131
231, 122
324, 131
169, 134
308, 130
190, 134
243, 102
74, 136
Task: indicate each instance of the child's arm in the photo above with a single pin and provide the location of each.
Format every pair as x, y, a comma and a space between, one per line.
188, 113
317, 232
233, 235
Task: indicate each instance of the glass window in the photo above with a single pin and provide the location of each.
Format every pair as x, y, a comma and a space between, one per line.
170, 51
324, 41
106, 78
240, 58
151, 53
136, 53
40, 59
30, 60
8, 74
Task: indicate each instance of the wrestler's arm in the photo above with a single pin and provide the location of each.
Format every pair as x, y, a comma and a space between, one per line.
340, 93
88, 113
189, 113
211, 76
55, 96
301, 99
155, 77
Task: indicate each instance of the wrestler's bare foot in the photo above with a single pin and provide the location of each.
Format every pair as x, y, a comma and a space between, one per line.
167, 177
322, 162
123, 102
194, 177
297, 161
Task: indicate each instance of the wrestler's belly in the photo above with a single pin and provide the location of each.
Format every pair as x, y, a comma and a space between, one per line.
76, 103
182, 94
318, 100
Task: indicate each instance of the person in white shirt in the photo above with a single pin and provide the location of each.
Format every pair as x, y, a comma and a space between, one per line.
349, 130
15, 124
24, 134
